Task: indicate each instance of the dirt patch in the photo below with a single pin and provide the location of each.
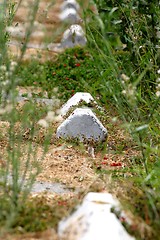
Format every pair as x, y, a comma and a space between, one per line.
49, 234
68, 163
47, 28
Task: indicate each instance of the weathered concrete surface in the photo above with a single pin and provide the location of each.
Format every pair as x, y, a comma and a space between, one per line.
58, 188
69, 4
83, 125
41, 186
94, 220
69, 15
74, 36
43, 101
75, 100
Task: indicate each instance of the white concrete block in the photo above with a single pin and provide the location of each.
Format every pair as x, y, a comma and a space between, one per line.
69, 15
83, 125
94, 220
74, 36
18, 31
75, 101
69, 4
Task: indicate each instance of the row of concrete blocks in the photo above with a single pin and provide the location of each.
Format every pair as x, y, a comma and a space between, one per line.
94, 218
74, 36
80, 122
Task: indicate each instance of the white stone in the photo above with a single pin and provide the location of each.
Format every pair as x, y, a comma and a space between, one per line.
69, 4
94, 220
74, 36
82, 124
18, 31
69, 15
75, 100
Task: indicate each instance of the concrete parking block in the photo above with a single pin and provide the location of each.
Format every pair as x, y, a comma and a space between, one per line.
69, 15
74, 36
94, 220
83, 125
76, 100
70, 4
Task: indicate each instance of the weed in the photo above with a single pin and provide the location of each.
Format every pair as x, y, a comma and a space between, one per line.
123, 39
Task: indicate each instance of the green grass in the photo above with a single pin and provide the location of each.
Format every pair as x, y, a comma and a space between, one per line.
73, 71
36, 214
123, 42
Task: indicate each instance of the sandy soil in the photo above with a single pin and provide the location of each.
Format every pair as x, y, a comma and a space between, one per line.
47, 28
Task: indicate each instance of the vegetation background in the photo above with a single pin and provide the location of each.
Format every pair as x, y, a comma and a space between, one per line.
124, 39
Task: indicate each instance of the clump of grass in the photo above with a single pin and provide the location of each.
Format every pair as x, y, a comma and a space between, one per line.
13, 190
123, 40
37, 214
